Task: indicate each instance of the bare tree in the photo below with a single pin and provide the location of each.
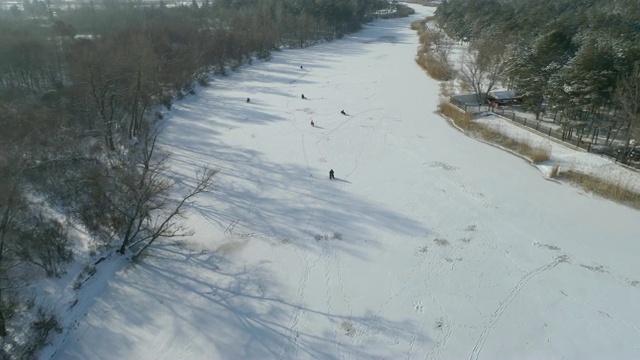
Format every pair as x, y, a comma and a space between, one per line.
44, 244
165, 224
483, 67
141, 204
472, 75
10, 205
14, 220
435, 37
14, 157
100, 84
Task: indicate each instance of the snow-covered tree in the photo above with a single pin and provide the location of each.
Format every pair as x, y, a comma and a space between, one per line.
627, 98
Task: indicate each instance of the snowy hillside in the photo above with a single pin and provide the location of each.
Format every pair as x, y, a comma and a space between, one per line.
428, 244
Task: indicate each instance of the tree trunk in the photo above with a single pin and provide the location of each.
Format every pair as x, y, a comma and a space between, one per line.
3, 324
3, 232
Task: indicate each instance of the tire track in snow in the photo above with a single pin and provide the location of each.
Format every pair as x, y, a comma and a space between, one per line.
504, 304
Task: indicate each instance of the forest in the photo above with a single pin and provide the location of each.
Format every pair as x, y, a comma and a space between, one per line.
576, 59
80, 89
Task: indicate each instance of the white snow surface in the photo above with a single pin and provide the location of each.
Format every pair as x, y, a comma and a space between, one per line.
428, 244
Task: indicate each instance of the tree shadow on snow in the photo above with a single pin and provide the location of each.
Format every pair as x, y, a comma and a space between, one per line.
183, 302
198, 303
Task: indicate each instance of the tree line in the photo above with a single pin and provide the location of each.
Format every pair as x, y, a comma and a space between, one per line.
79, 91
579, 59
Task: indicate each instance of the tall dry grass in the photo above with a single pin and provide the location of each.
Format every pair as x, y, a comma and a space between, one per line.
430, 60
417, 26
540, 155
447, 88
464, 120
615, 191
434, 65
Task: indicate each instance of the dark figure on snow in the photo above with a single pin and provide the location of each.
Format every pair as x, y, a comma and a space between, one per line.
300, 67
313, 124
248, 100
303, 97
342, 112
331, 175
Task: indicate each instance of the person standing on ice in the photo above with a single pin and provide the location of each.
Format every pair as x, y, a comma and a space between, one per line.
331, 175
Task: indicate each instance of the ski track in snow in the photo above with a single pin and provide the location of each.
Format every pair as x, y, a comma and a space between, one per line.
444, 321
487, 209
333, 273
504, 304
290, 344
624, 323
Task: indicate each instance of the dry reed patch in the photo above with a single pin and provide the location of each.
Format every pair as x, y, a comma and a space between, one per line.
433, 63
464, 120
536, 154
522, 148
460, 118
435, 66
447, 89
606, 189
540, 154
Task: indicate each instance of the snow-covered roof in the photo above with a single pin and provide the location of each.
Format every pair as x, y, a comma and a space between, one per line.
502, 94
467, 99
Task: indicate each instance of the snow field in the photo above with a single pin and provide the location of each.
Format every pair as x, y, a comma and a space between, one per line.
428, 244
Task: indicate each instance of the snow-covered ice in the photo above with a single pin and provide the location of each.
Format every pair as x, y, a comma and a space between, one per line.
428, 244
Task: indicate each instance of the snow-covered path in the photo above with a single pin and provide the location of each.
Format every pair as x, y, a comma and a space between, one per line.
427, 245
